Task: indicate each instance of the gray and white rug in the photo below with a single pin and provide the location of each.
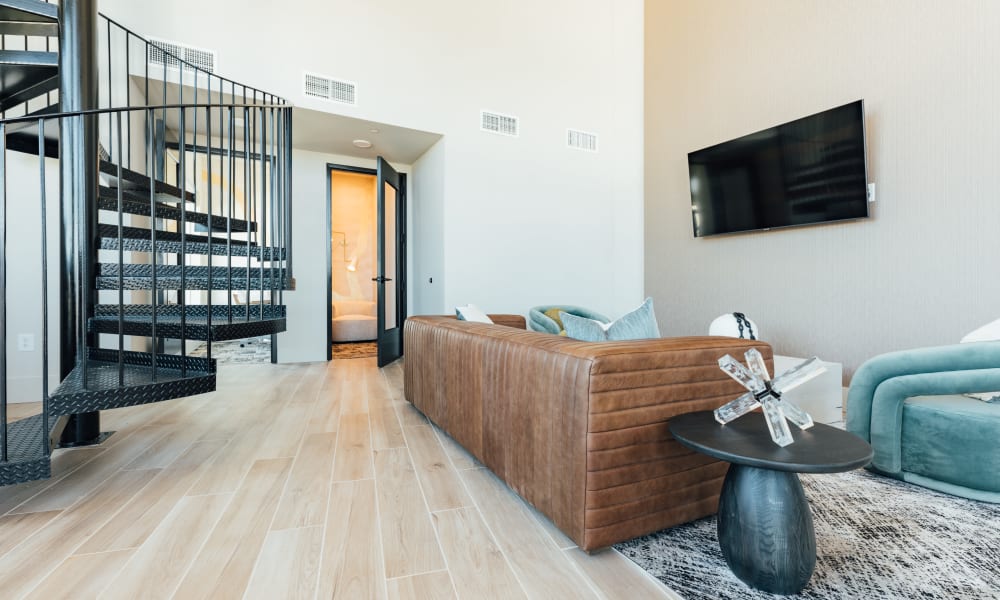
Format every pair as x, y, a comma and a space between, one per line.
239, 352
875, 538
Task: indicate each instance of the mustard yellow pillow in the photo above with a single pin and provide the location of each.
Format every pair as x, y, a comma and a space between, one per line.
553, 313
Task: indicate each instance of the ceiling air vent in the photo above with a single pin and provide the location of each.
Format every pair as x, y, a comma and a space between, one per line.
166, 54
581, 140
336, 90
498, 123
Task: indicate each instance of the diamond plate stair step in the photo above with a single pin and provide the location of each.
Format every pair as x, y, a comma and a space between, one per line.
27, 451
219, 311
137, 239
134, 203
195, 283
196, 328
97, 388
137, 181
190, 271
26, 74
28, 11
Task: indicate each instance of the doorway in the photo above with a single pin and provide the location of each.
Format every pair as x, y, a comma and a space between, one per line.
366, 262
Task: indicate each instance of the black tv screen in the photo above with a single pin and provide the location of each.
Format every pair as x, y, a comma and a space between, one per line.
811, 170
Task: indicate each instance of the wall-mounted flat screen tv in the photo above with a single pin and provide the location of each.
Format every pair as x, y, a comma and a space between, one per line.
807, 171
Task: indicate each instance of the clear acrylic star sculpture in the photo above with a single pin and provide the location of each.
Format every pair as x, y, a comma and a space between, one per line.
767, 394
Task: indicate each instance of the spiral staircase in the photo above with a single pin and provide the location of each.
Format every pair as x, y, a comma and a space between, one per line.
173, 214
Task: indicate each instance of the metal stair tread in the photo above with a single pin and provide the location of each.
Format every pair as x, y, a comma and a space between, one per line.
168, 242
196, 328
140, 181
194, 283
33, 11
102, 391
135, 204
27, 451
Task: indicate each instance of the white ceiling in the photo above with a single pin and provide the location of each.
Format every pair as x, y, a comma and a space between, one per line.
314, 130
334, 134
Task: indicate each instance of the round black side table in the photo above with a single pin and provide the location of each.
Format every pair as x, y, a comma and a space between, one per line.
765, 526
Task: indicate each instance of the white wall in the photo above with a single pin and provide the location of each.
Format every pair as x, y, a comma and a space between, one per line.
426, 248
520, 221
923, 270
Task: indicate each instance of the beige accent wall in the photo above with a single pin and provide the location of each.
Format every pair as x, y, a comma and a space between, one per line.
353, 213
925, 269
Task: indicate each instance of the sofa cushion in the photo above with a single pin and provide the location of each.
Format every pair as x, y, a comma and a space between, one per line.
953, 439
640, 324
472, 313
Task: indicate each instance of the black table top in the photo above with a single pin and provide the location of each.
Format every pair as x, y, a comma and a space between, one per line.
746, 441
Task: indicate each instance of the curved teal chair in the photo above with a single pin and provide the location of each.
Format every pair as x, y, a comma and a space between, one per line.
539, 321
909, 406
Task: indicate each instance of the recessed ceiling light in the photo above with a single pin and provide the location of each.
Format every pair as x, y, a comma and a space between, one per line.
362, 143
373, 130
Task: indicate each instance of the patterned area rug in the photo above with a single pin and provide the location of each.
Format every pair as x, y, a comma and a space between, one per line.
354, 350
239, 352
875, 538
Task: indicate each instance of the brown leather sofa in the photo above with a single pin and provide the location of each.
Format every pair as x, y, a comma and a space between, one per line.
578, 429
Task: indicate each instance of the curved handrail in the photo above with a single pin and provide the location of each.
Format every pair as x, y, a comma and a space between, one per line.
129, 33
115, 109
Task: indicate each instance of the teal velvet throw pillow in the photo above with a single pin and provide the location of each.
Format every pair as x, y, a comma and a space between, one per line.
640, 324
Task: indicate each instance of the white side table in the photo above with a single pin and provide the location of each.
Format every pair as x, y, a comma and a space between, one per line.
822, 397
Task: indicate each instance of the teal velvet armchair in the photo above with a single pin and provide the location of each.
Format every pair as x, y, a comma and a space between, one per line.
909, 406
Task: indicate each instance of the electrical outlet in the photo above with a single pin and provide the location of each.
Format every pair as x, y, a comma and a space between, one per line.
871, 192
25, 342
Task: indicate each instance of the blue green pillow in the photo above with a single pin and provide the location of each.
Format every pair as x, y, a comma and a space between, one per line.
640, 324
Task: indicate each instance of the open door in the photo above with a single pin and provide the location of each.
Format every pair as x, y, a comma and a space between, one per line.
390, 264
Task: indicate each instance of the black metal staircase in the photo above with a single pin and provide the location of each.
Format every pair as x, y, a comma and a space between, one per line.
168, 206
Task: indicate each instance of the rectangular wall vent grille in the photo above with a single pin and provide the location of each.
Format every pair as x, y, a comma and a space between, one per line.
317, 86
166, 54
581, 140
498, 123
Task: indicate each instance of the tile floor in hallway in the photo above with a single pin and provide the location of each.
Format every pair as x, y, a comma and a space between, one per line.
290, 481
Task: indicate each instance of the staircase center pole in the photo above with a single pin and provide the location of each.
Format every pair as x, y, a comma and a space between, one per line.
78, 139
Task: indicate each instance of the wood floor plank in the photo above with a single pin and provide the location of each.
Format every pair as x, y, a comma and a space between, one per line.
304, 502
143, 514
617, 577
410, 416
351, 566
386, 432
428, 586
354, 449
408, 541
540, 565
64, 462
165, 450
155, 570
476, 563
15, 528
27, 564
229, 468
439, 481
285, 435
325, 417
224, 566
459, 456
81, 577
354, 394
288, 565
92, 474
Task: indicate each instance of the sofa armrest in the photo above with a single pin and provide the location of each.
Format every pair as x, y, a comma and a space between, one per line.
881, 386
935, 361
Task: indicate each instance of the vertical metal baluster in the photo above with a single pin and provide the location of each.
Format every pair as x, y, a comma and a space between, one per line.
274, 190
208, 144
247, 149
145, 99
121, 263
263, 202
182, 260
128, 99
3, 289
231, 139
152, 235
287, 213
110, 93
45, 292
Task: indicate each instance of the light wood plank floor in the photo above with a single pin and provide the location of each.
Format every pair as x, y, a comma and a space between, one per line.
291, 481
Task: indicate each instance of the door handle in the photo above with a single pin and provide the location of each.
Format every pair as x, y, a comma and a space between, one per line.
381, 279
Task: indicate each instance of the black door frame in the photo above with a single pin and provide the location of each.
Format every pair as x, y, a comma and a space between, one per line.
330, 168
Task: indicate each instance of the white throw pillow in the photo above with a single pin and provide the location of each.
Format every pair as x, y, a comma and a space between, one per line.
472, 313
987, 333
